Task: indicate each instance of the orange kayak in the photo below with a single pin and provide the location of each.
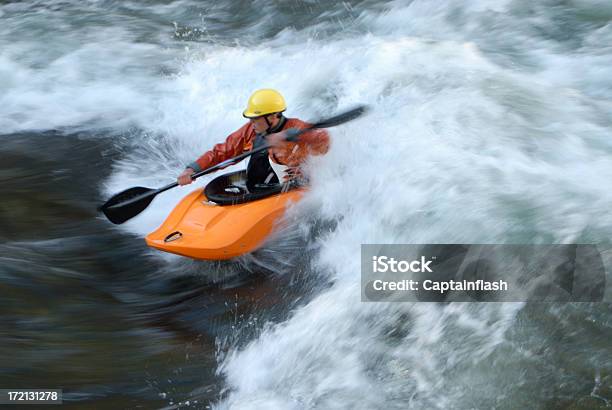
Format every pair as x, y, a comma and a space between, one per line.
233, 225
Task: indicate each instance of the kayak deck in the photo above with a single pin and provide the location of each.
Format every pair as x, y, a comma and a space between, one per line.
200, 229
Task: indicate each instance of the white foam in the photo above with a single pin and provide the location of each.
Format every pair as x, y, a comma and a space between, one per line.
458, 148
481, 131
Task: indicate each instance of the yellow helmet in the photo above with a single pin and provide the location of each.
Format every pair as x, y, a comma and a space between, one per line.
263, 102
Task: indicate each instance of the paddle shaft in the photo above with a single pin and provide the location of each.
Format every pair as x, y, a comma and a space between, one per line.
206, 171
214, 168
119, 211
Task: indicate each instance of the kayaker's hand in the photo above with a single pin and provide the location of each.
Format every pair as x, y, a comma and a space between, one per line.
278, 142
277, 138
185, 177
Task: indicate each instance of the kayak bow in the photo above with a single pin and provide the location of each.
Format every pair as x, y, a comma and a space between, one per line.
201, 229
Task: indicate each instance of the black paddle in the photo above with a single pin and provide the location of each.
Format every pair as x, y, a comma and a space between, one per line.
127, 204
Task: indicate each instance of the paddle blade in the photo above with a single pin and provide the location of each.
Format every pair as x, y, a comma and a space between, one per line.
127, 204
342, 118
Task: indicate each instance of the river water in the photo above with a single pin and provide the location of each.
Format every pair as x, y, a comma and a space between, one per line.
491, 123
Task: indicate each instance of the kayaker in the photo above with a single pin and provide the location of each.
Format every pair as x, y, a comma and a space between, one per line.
267, 124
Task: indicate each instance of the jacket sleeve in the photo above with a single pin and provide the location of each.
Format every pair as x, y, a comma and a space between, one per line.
315, 142
234, 145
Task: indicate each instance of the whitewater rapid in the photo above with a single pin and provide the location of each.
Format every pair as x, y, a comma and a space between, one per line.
463, 146
490, 123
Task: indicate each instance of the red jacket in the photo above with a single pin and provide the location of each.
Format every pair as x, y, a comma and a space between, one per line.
315, 142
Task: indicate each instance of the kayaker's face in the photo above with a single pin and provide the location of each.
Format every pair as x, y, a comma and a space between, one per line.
260, 125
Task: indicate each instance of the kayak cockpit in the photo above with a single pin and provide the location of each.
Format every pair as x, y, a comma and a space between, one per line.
231, 189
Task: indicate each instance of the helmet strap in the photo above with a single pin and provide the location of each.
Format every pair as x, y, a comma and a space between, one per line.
269, 125
279, 115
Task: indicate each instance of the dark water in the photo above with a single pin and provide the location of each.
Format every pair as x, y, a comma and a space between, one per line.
90, 310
